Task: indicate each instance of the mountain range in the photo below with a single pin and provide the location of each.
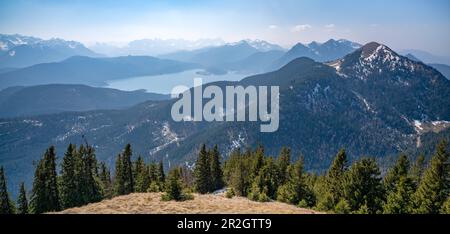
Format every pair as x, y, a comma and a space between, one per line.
17, 51
260, 56
371, 101
56, 98
152, 47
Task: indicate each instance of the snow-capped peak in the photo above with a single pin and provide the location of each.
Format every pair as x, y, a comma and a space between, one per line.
258, 44
373, 58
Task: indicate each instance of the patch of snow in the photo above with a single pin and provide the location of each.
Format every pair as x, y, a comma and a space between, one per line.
418, 125
3, 46
77, 128
366, 103
437, 123
34, 123
237, 143
168, 137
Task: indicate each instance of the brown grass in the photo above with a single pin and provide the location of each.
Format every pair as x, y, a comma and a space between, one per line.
150, 203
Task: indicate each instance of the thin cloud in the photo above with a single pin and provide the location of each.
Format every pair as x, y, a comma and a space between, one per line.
329, 26
301, 27
273, 26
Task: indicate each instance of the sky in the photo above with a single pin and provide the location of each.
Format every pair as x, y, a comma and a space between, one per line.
400, 24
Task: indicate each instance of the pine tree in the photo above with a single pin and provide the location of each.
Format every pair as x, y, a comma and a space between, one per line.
105, 179
22, 201
399, 187
79, 176
295, 190
174, 187
216, 170
153, 171
335, 176
258, 189
398, 171
161, 174
417, 170
92, 183
202, 172
399, 199
433, 190
138, 166
128, 179
362, 186
284, 160
258, 160
5, 203
119, 182
141, 173
68, 184
45, 196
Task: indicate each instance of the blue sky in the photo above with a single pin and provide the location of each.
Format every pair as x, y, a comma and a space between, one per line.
401, 24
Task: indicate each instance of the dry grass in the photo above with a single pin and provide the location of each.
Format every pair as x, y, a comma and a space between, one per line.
150, 203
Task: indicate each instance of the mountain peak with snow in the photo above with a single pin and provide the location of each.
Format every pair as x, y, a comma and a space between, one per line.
376, 59
259, 44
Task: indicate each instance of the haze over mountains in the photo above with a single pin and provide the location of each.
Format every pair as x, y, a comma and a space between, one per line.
372, 101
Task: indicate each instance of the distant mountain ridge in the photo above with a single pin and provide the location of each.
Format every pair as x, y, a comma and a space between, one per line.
56, 98
91, 71
19, 51
320, 52
260, 56
153, 47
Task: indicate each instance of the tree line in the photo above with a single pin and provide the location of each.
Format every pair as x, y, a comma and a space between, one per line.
358, 188
420, 187
82, 180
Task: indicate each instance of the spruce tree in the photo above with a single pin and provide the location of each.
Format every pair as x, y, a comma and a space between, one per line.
142, 176
399, 187
258, 189
417, 170
258, 160
399, 170
202, 172
399, 199
45, 196
92, 185
119, 183
22, 201
79, 175
68, 184
138, 167
173, 188
335, 176
5, 203
284, 160
433, 189
363, 189
161, 174
216, 170
237, 174
127, 170
295, 189
105, 178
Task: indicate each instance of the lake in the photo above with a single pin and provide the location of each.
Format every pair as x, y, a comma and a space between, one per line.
164, 83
